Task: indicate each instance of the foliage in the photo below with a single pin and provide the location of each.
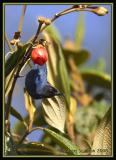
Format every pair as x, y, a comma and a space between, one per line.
75, 123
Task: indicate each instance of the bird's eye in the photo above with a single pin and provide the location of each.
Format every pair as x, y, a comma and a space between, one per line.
43, 42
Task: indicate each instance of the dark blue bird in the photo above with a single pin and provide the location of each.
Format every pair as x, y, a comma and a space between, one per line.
36, 83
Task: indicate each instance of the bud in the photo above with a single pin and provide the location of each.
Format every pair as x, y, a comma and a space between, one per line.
100, 11
44, 20
47, 21
41, 19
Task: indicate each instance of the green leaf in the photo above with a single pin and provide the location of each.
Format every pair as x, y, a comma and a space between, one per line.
79, 33
53, 32
63, 73
8, 81
14, 59
102, 144
80, 56
97, 78
36, 148
18, 128
57, 71
66, 144
55, 112
8, 43
53, 77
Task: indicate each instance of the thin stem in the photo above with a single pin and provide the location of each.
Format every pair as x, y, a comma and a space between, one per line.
28, 132
27, 54
8, 43
66, 11
22, 18
8, 105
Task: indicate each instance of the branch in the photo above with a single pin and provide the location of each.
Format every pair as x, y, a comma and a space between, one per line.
22, 18
17, 35
28, 132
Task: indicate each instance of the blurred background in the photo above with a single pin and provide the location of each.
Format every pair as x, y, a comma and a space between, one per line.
97, 38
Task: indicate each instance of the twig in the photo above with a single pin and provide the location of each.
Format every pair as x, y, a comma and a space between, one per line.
8, 43
22, 18
64, 12
17, 35
28, 132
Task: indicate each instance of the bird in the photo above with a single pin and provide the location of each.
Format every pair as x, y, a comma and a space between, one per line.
37, 85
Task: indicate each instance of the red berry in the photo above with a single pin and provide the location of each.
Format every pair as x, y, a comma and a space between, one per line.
39, 55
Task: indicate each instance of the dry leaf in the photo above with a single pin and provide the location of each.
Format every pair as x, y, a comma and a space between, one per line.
30, 108
55, 112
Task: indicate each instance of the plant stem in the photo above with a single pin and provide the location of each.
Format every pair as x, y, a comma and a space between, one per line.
28, 132
22, 18
66, 11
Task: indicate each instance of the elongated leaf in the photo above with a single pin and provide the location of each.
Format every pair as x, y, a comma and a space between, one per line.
53, 32
63, 73
52, 62
94, 77
29, 107
14, 59
79, 33
8, 43
36, 148
102, 144
8, 81
19, 129
66, 144
57, 71
55, 112
22, 18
